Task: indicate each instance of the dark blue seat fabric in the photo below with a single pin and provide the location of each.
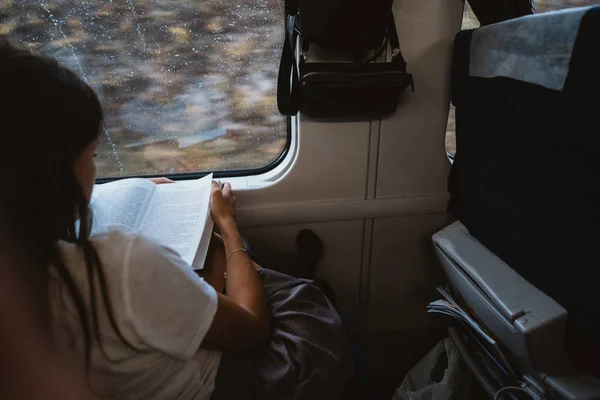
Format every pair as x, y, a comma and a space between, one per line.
526, 176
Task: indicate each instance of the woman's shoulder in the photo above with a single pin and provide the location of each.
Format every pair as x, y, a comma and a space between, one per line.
126, 245
112, 247
124, 253
117, 238
114, 237
134, 250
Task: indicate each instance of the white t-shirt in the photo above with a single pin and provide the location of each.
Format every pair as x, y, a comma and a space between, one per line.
162, 308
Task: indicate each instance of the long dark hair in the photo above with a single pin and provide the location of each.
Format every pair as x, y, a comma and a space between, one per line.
48, 115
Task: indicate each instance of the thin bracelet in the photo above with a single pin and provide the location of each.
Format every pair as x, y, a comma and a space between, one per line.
225, 273
245, 250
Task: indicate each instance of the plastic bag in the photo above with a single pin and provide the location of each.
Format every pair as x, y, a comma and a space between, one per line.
438, 376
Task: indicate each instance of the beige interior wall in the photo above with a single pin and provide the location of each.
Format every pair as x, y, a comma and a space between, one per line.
374, 191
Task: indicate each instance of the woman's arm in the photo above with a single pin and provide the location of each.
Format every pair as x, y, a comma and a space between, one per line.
242, 317
215, 266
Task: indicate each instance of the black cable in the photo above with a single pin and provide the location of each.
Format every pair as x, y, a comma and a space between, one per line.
486, 382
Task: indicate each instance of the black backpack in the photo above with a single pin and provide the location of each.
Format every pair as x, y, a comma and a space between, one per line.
351, 25
355, 90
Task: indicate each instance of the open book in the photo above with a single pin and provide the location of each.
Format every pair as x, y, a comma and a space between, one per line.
177, 215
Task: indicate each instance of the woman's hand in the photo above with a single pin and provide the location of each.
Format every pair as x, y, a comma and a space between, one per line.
222, 204
160, 181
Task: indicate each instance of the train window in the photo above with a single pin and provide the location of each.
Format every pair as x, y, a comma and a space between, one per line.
187, 86
470, 22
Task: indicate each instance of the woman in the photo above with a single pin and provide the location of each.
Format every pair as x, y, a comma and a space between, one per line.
146, 325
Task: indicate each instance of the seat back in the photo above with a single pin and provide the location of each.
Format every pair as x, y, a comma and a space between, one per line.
525, 179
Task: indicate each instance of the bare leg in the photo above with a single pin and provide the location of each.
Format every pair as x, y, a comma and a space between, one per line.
216, 264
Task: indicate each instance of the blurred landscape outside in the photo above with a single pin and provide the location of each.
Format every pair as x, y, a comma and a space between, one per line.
186, 85
470, 21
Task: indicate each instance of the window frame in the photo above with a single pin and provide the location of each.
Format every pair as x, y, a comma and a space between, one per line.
218, 174
237, 173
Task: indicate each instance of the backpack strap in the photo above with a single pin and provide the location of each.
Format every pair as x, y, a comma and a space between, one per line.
397, 56
392, 39
395, 42
288, 82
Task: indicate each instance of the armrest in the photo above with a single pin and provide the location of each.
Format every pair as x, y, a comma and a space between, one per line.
512, 295
529, 325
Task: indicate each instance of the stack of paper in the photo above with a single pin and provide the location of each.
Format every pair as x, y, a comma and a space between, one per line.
449, 306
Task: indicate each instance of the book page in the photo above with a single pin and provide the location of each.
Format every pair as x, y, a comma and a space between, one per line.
178, 214
202, 252
120, 204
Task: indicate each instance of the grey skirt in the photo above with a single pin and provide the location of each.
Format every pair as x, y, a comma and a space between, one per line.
307, 356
